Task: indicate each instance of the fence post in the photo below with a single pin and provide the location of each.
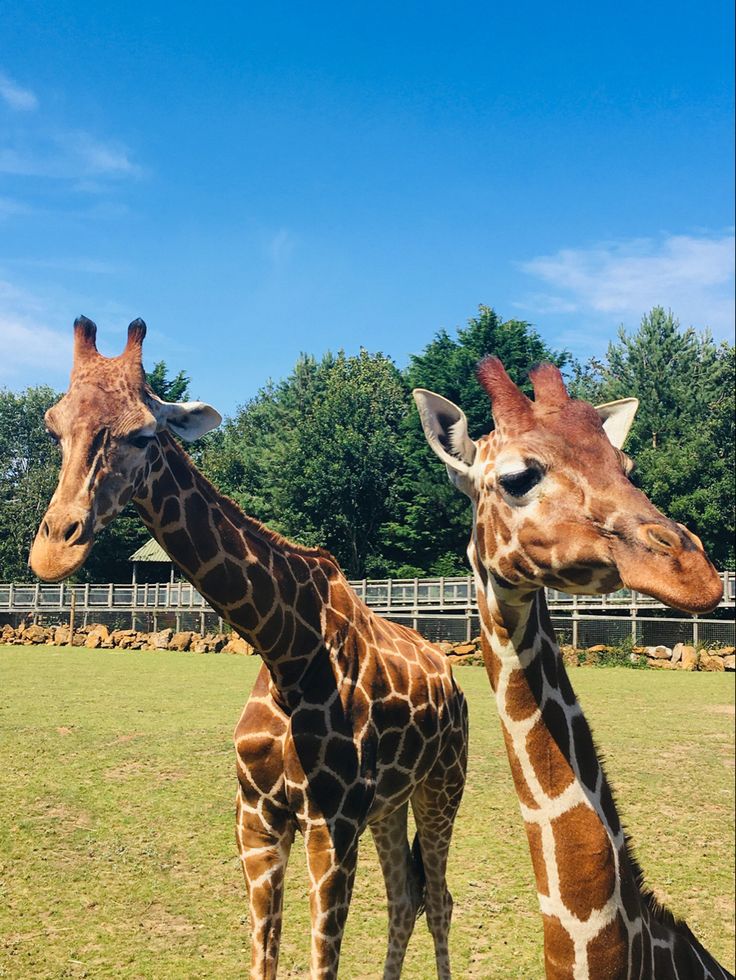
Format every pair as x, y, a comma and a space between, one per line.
415, 617
72, 606
36, 599
85, 618
574, 616
634, 624
696, 631
389, 597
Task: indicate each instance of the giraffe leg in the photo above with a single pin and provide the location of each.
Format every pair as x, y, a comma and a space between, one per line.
434, 806
404, 886
264, 837
332, 857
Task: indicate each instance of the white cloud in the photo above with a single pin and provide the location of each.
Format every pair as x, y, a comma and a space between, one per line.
280, 246
18, 98
693, 275
73, 156
34, 352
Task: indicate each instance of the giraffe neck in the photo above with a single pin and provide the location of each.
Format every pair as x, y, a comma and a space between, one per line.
575, 836
271, 592
598, 919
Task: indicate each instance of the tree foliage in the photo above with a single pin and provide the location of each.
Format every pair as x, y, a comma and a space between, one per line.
431, 521
334, 454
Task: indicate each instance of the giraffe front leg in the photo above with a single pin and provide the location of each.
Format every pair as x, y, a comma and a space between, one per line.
264, 835
332, 858
404, 886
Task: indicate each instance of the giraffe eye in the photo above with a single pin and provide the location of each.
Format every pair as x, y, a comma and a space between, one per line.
519, 484
141, 441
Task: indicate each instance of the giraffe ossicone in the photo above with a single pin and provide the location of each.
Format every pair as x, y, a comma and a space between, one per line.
352, 719
553, 506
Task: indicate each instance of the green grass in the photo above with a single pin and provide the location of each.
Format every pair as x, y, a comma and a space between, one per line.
117, 853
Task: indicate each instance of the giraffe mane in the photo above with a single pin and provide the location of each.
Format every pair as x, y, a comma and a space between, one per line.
236, 513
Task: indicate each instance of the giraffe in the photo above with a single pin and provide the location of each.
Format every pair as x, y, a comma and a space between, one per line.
553, 506
352, 718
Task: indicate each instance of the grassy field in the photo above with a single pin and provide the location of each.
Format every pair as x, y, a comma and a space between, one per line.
117, 853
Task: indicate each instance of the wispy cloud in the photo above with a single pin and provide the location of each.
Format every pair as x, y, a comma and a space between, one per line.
72, 156
15, 96
280, 246
32, 348
691, 274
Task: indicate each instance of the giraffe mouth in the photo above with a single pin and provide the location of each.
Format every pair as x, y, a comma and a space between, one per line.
59, 550
681, 578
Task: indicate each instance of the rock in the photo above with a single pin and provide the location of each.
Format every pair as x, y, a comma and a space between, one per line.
236, 644
99, 629
677, 652
181, 641
445, 647
117, 636
634, 658
569, 656
711, 663
61, 636
93, 641
729, 662
35, 634
661, 664
658, 653
725, 651
462, 649
591, 657
161, 640
599, 648
688, 659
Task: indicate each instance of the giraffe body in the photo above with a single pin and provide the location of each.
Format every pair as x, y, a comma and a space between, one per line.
352, 718
553, 507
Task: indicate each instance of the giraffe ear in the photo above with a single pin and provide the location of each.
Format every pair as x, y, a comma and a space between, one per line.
446, 429
188, 420
617, 418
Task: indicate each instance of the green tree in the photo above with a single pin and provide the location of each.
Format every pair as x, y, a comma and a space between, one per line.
429, 528
317, 455
29, 468
683, 437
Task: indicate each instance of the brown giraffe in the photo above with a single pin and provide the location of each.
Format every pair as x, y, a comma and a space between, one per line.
553, 507
351, 718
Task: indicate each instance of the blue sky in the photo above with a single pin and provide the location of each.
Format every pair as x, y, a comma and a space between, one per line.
255, 181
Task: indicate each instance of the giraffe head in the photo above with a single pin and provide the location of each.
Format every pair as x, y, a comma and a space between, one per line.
106, 425
552, 501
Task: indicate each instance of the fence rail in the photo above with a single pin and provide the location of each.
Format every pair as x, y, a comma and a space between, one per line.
442, 608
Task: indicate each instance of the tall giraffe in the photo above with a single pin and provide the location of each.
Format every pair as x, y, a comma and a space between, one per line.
553, 506
351, 717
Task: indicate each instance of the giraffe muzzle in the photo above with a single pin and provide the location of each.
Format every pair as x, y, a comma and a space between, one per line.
62, 543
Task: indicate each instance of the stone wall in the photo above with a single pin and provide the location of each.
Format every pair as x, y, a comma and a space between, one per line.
679, 657
98, 636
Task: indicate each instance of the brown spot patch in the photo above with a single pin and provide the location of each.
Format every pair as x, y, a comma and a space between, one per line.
534, 835
585, 861
522, 788
520, 702
559, 950
608, 952
547, 744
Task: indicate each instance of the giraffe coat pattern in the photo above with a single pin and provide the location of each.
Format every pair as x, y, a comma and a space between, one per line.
352, 718
553, 506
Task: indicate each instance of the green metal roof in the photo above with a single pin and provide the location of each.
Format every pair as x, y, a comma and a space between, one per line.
150, 551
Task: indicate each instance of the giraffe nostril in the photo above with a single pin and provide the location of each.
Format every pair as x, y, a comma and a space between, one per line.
45, 529
72, 530
662, 538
